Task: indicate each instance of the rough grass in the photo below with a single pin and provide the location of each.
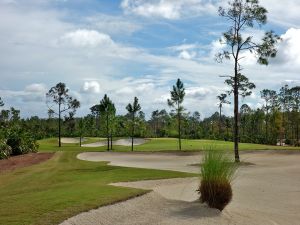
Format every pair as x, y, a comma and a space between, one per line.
217, 171
64, 186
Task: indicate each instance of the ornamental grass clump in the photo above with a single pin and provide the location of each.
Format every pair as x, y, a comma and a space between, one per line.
217, 171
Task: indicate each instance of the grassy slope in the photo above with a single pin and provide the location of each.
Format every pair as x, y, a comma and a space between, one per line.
171, 144
50, 192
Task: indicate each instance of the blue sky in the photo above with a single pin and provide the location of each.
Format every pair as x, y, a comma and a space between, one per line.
132, 48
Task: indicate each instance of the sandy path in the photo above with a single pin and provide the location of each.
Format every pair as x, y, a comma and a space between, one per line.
267, 193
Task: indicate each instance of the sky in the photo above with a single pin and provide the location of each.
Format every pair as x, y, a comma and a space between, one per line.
127, 48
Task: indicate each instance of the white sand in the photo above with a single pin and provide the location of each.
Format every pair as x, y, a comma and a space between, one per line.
158, 161
71, 140
95, 144
124, 142
267, 193
127, 142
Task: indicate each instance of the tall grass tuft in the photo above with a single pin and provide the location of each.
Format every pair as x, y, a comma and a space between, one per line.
217, 170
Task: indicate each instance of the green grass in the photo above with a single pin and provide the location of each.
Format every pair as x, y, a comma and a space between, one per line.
64, 186
167, 144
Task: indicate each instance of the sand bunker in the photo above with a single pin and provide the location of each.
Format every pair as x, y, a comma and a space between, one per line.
164, 161
124, 142
71, 140
127, 142
266, 193
95, 144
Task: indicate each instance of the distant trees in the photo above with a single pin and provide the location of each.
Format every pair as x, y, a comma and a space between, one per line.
133, 109
222, 100
1, 102
242, 14
295, 93
59, 95
176, 100
270, 98
108, 111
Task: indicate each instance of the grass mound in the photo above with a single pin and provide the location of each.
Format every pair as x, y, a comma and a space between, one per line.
217, 171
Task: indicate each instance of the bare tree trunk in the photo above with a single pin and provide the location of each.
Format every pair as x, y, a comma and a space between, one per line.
80, 141
59, 126
220, 120
132, 133
267, 126
236, 114
179, 128
107, 133
111, 141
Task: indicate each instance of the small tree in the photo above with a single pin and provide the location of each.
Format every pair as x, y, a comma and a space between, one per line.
177, 97
59, 96
222, 100
243, 14
108, 110
132, 110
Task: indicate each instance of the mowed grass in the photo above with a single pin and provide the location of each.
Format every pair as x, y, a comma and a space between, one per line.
165, 144
64, 186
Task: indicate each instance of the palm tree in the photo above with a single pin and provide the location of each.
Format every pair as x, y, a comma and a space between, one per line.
132, 110
177, 97
222, 100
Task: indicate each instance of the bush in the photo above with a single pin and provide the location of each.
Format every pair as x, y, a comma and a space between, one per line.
217, 171
21, 143
14, 142
5, 150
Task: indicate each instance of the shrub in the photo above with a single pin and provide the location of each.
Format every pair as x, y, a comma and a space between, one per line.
14, 142
217, 171
21, 143
5, 150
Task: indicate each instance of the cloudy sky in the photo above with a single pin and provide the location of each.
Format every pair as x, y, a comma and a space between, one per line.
128, 48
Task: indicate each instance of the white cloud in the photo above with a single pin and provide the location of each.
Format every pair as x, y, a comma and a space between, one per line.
169, 9
187, 55
186, 51
91, 87
86, 38
113, 25
285, 13
289, 48
36, 88
31, 93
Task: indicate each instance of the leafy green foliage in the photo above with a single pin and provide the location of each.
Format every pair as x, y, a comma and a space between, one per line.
5, 150
21, 142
